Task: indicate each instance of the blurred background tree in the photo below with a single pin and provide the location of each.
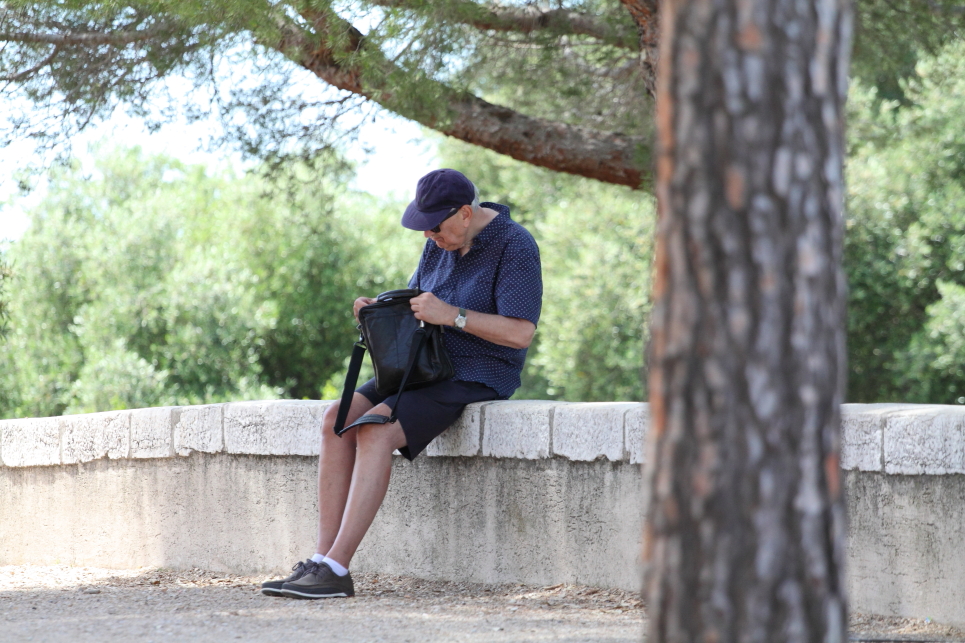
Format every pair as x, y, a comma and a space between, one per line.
905, 241
151, 282
148, 282
5, 275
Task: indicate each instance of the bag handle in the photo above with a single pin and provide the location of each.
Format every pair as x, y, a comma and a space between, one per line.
402, 293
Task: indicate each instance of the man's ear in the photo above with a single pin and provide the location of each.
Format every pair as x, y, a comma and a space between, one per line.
467, 214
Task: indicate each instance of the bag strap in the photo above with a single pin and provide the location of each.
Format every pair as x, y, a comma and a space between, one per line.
368, 419
351, 379
418, 342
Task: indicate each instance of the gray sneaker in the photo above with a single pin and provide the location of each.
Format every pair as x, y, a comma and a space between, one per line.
320, 582
273, 587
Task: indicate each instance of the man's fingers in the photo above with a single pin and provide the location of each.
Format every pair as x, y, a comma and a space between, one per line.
360, 303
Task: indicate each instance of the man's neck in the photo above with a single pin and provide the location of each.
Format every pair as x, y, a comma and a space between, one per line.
480, 220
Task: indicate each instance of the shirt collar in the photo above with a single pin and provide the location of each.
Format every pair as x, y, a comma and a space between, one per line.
495, 227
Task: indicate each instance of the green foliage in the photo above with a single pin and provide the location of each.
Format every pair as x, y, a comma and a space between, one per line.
891, 36
905, 241
151, 282
939, 350
596, 249
6, 275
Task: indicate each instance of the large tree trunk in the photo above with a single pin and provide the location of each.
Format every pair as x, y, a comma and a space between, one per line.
746, 523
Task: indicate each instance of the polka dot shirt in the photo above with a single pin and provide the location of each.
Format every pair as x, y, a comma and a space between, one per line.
499, 275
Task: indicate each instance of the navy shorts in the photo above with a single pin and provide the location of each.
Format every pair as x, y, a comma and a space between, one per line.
427, 412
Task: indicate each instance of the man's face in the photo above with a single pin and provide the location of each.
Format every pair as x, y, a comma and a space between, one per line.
452, 232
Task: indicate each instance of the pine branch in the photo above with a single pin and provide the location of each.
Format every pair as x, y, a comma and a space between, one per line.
26, 73
608, 157
527, 19
86, 39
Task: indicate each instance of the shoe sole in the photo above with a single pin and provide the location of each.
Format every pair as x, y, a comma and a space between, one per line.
268, 591
294, 594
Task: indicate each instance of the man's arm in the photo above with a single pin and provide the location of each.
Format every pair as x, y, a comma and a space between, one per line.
505, 331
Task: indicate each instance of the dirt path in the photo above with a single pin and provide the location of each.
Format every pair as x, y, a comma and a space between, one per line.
75, 604
83, 604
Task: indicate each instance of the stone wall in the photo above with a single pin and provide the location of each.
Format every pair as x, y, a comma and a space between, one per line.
535, 492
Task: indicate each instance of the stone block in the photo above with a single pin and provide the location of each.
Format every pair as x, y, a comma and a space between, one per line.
95, 435
463, 437
636, 424
152, 431
924, 439
31, 442
862, 434
275, 427
199, 429
590, 430
518, 429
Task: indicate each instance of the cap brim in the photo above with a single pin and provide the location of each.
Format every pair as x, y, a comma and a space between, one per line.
415, 219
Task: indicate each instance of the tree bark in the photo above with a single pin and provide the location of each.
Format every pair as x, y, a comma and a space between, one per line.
746, 523
646, 15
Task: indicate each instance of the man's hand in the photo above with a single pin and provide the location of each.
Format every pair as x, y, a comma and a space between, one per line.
359, 303
433, 310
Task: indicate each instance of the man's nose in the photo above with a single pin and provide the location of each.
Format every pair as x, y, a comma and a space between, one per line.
427, 234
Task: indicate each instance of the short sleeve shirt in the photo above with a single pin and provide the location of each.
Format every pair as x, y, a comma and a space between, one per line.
500, 275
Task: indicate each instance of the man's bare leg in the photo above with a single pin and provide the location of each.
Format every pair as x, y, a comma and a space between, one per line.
336, 460
370, 481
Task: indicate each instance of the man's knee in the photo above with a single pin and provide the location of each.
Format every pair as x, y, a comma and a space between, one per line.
328, 419
328, 423
382, 437
360, 405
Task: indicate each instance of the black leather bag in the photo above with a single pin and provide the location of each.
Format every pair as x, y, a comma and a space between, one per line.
406, 353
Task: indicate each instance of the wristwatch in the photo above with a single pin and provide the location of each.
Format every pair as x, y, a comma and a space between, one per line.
460, 321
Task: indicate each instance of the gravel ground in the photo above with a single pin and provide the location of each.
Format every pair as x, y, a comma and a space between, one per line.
85, 604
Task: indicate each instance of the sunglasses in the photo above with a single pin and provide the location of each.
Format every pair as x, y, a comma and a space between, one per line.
438, 228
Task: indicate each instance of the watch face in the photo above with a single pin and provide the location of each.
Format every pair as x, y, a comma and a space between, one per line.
460, 321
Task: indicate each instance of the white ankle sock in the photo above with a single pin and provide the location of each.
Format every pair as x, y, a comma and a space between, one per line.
317, 558
336, 566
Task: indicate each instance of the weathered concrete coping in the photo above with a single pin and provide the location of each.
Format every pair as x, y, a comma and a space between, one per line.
890, 438
526, 429
903, 439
